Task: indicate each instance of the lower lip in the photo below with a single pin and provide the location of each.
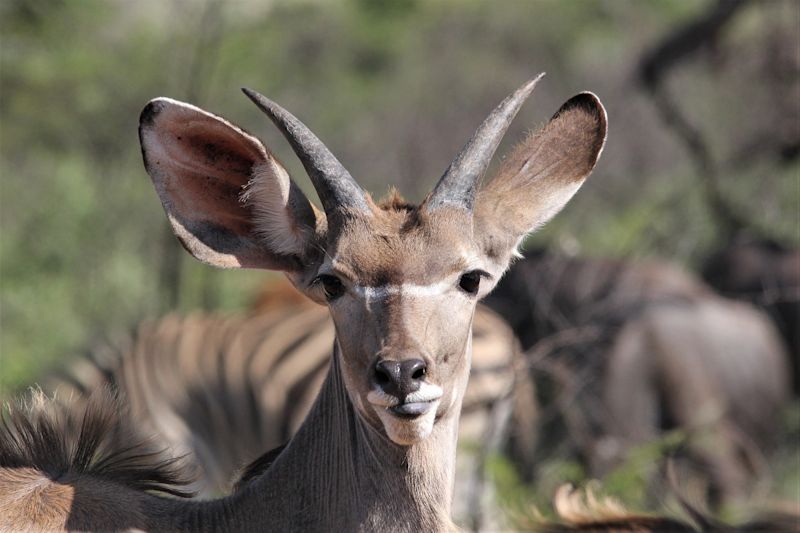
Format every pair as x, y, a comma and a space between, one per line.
411, 410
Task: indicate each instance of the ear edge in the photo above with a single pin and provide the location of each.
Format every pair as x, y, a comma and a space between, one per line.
157, 106
589, 103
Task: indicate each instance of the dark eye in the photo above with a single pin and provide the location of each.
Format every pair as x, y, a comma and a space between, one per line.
332, 286
470, 282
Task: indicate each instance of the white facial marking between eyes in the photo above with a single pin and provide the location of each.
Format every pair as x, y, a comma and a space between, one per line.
405, 289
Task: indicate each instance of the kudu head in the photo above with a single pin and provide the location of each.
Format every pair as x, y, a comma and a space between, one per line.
401, 281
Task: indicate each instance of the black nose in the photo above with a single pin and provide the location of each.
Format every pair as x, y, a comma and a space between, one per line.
400, 378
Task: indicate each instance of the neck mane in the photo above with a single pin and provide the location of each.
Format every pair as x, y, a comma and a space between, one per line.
339, 473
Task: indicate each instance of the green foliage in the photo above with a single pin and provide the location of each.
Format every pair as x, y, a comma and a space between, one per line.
630, 480
514, 495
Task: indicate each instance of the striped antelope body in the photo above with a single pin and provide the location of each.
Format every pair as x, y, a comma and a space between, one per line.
377, 450
194, 381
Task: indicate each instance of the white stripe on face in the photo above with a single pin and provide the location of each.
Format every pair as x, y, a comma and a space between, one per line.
405, 289
379, 292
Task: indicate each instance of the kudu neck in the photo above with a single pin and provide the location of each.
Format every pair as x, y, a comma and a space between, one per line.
341, 473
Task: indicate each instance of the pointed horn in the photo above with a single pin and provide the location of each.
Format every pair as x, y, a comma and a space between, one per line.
335, 186
458, 184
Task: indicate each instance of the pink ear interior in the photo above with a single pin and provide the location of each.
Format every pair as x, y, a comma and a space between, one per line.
205, 163
200, 164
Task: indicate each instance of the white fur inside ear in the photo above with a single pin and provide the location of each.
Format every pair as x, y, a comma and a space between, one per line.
268, 195
551, 201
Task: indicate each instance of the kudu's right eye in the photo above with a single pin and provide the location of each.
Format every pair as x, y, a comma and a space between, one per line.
331, 285
470, 282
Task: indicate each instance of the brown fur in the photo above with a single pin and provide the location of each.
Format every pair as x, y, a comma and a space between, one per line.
55, 461
584, 511
60, 443
394, 201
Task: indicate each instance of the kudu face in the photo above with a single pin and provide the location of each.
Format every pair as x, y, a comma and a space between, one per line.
401, 281
402, 290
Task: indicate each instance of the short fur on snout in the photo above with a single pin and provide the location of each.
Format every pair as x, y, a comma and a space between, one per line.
394, 275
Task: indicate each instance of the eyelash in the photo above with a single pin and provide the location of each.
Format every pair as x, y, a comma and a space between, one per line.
331, 286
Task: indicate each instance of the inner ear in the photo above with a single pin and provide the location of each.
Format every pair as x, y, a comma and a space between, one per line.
201, 165
282, 216
541, 175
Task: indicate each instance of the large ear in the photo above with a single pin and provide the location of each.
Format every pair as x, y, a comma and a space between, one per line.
229, 201
540, 175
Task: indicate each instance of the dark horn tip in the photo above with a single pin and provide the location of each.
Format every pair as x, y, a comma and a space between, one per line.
261, 101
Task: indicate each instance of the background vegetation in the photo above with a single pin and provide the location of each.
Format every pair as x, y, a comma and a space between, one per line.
394, 87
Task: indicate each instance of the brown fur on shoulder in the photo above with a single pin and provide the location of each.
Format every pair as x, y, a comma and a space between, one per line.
62, 443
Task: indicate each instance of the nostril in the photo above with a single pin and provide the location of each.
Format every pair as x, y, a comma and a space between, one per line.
399, 377
415, 369
382, 376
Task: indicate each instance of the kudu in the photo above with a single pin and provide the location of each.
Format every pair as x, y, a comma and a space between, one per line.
377, 450
765, 273
644, 348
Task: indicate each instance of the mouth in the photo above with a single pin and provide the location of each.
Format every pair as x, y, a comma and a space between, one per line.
411, 418
412, 405
411, 410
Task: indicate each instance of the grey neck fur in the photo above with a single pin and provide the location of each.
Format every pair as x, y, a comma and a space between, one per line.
341, 474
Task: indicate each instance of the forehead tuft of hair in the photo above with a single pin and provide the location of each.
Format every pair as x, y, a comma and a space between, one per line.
394, 201
85, 439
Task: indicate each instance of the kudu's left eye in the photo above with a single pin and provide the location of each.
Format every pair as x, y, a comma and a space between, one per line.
470, 282
332, 286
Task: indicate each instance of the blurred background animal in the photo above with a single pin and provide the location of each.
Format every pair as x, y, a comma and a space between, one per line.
623, 352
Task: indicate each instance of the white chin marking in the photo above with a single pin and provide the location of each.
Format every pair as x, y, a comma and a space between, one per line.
379, 399
407, 431
427, 392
